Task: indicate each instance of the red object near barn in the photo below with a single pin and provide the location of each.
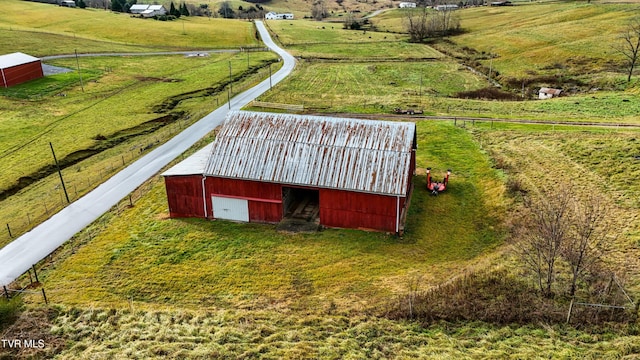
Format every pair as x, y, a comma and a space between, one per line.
437, 187
265, 167
18, 68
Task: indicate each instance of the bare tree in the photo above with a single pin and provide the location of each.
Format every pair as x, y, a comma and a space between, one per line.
416, 23
591, 231
319, 10
543, 234
630, 47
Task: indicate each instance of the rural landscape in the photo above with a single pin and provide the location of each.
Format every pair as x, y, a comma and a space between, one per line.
532, 251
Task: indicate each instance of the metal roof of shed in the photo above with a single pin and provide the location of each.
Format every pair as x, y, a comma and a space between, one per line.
338, 153
15, 59
193, 165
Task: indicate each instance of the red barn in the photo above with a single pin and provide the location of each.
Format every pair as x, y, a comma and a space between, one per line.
17, 68
264, 167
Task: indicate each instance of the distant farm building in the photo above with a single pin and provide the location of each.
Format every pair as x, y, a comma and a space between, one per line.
147, 10
275, 16
446, 7
17, 68
548, 93
501, 3
403, 5
264, 167
68, 3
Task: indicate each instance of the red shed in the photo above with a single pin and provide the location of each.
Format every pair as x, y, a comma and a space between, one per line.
264, 167
17, 68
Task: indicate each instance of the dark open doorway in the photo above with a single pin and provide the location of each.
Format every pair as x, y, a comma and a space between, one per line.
301, 204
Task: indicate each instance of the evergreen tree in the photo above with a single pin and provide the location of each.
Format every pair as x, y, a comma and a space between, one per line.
183, 10
117, 5
82, 4
173, 11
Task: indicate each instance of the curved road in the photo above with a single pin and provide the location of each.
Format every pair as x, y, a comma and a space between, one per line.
18, 256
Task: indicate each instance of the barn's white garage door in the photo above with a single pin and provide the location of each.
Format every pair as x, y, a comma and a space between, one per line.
230, 209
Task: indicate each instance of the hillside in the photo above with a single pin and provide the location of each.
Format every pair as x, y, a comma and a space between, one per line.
138, 284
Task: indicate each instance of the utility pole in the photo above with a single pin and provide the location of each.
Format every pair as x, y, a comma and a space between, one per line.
230, 78
79, 73
270, 85
59, 173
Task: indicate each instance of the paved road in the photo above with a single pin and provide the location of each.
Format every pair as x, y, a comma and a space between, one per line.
18, 256
160, 53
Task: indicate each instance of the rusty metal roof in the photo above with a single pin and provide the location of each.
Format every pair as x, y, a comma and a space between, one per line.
337, 153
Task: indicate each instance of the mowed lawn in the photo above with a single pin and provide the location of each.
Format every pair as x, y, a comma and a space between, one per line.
144, 257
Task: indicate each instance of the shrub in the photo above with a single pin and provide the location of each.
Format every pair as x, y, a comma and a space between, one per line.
9, 311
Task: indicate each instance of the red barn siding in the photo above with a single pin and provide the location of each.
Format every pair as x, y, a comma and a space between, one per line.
345, 209
265, 212
184, 194
22, 73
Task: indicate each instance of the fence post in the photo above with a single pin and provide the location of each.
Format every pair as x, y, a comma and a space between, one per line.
6, 292
35, 272
9, 229
30, 277
44, 295
570, 310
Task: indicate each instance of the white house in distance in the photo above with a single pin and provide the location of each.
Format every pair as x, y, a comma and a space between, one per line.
404, 4
148, 10
548, 93
275, 16
446, 7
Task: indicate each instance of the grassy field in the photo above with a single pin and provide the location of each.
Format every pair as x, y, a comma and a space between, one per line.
69, 123
232, 334
371, 87
152, 286
606, 163
253, 265
43, 29
570, 40
136, 284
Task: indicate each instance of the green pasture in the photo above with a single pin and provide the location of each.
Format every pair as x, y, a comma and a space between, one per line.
117, 105
574, 40
561, 39
379, 87
290, 32
128, 92
367, 51
375, 87
27, 26
144, 256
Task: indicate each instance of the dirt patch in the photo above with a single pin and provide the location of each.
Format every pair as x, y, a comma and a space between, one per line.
172, 102
156, 79
33, 330
488, 93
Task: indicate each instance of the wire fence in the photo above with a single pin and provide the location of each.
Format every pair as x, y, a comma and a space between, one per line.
49, 197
